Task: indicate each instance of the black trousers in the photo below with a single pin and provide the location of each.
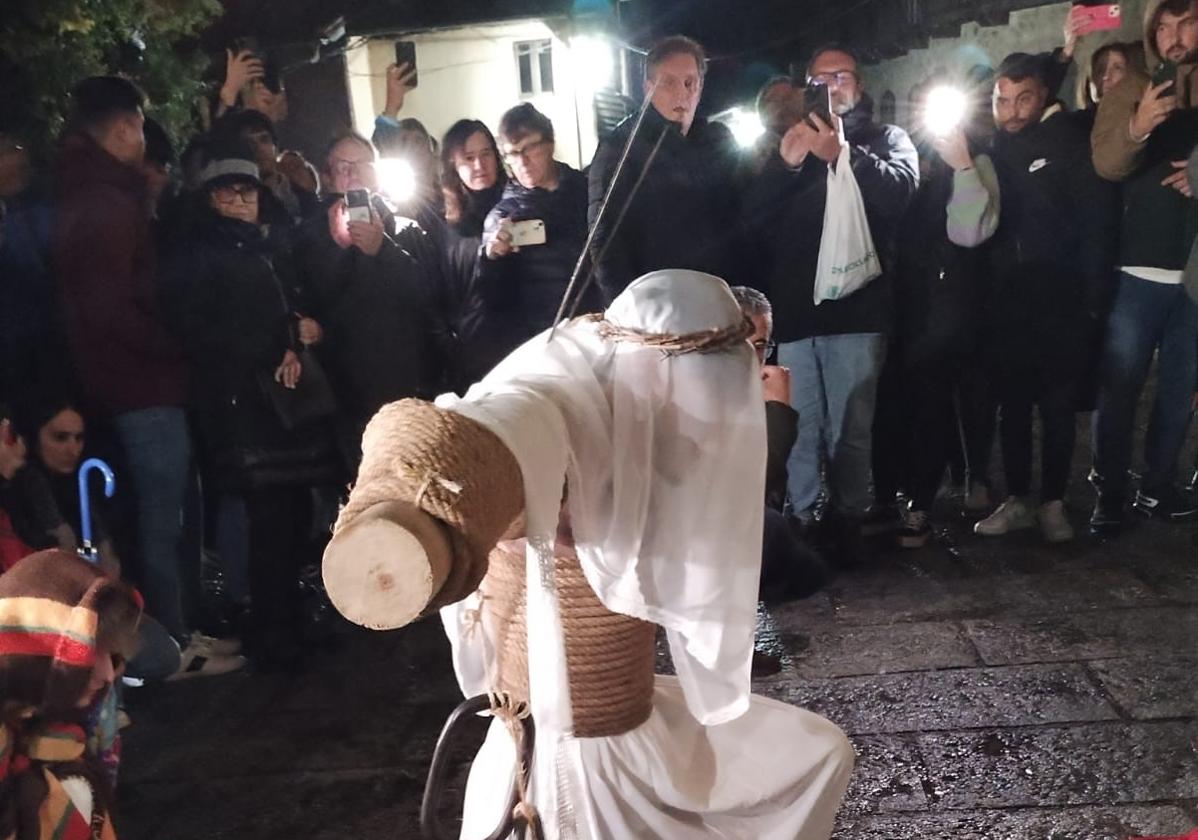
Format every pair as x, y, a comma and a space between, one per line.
935, 409
790, 569
1056, 404
279, 528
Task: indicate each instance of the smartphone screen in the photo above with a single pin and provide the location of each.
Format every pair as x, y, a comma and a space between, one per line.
817, 101
405, 53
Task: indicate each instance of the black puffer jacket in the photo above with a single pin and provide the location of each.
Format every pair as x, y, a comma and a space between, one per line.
519, 295
684, 214
784, 222
233, 290
380, 324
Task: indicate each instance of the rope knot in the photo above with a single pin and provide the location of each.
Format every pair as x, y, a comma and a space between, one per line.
425, 479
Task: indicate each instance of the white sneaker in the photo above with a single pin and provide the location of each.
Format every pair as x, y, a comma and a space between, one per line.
1012, 515
215, 646
198, 661
1054, 523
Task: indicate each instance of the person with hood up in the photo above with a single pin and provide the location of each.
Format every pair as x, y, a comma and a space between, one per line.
1144, 134
67, 631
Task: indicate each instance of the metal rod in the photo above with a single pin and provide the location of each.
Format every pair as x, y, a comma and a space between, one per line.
586, 284
586, 248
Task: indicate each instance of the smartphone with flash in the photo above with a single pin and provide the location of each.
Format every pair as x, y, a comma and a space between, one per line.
405, 53
527, 232
357, 203
1101, 18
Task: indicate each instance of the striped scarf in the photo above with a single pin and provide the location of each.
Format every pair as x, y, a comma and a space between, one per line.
52, 787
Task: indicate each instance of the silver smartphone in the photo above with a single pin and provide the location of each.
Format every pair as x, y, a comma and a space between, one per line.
528, 232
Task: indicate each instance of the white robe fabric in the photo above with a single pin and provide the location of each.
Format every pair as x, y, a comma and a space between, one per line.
664, 457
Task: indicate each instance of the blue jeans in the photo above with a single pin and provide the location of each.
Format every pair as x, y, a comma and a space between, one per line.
158, 655
156, 450
1146, 317
834, 384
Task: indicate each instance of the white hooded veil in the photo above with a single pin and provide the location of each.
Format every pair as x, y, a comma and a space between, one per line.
663, 452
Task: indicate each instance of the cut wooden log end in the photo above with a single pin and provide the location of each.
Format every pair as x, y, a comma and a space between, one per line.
382, 570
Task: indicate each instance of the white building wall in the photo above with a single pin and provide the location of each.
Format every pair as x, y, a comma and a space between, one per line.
1039, 29
472, 72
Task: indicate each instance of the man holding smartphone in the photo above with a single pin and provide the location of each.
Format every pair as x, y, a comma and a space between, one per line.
1145, 131
834, 350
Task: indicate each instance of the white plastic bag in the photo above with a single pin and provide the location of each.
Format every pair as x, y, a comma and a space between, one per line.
848, 259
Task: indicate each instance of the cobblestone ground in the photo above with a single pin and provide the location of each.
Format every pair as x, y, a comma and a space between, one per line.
993, 690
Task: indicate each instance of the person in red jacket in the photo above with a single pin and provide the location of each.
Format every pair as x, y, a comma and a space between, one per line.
12, 458
129, 366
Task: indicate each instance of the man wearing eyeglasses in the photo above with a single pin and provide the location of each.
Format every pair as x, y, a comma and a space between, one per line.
369, 285
684, 213
531, 240
834, 350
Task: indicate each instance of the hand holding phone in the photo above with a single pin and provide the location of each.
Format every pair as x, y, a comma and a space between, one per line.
1157, 105
527, 232
357, 204
817, 100
405, 53
1102, 18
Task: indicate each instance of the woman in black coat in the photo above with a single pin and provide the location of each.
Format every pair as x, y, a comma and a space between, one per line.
240, 330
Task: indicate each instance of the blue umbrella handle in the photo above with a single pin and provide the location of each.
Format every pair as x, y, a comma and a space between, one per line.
88, 551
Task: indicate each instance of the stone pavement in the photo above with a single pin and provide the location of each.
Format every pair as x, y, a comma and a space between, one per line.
993, 690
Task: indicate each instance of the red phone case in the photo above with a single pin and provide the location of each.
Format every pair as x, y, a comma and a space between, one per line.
1098, 18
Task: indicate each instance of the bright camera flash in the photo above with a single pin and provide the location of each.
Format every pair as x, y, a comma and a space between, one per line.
944, 110
397, 179
746, 127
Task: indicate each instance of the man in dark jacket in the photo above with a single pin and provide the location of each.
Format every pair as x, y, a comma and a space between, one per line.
1050, 260
520, 288
834, 351
684, 213
128, 364
367, 292
1143, 135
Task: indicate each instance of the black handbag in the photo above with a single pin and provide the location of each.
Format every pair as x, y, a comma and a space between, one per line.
310, 401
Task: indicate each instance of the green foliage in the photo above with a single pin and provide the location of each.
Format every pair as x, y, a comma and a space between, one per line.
46, 46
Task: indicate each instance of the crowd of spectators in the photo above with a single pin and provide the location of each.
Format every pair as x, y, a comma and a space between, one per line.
221, 323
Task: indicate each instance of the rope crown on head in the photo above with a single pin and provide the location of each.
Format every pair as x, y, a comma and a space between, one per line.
714, 340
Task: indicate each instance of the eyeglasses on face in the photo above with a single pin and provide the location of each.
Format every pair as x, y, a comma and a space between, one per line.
839, 78
524, 152
345, 167
765, 347
248, 193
